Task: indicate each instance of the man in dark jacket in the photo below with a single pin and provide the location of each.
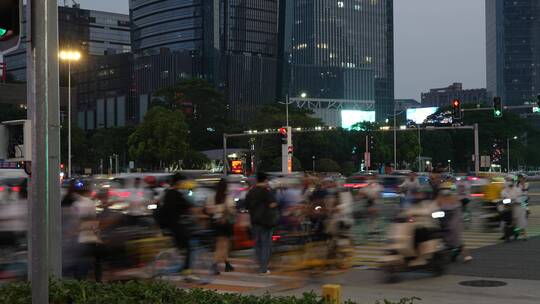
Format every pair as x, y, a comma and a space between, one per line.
264, 214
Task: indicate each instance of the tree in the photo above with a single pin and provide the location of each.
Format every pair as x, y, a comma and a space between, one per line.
274, 116
327, 165
195, 160
160, 140
107, 142
493, 133
79, 148
205, 109
275, 165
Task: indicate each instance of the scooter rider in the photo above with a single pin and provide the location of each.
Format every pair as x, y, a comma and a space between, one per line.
452, 222
509, 213
423, 225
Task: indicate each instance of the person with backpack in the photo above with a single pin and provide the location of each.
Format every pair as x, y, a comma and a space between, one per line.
222, 211
264, 214
176, 215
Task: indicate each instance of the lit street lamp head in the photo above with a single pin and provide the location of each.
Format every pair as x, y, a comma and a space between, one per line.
69, 55
303, 94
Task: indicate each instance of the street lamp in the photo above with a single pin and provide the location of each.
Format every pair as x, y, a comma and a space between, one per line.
313, 157
508, 153
287, 103
69, 56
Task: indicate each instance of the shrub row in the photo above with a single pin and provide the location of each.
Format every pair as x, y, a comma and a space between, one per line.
143, 292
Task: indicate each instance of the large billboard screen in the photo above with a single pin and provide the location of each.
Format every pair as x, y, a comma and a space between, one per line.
419, 115
352, 117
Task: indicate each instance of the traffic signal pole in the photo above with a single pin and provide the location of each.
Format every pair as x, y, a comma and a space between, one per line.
43, 110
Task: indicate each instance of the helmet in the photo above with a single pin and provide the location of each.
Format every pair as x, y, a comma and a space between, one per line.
187, 184
447, 188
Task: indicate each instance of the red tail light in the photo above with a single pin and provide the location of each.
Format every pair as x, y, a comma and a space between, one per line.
275, 237
477, 195
355, 186
2, 189
124, 194
16, 188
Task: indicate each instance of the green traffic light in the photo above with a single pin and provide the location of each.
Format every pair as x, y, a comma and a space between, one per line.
2, 32
498, 113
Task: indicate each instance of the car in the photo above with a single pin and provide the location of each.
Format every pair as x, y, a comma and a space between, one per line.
391, 185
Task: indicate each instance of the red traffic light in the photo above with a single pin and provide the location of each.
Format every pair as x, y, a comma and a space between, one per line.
282, 131
62, 166
456, 103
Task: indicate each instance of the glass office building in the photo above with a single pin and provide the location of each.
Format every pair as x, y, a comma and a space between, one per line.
513, 50
230, 43
249, 36
339, 50
91, 32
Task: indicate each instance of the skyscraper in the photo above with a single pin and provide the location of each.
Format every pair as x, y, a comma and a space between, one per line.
250, 49
513, 49
88, 31
230, 43
339, 50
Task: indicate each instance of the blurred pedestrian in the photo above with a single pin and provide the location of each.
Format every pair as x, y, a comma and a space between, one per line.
109, 250
176, 215
435, 180
409, 186
13, 218
372, 193
80, 227
522, 206
524, 186
222, 210
262, 207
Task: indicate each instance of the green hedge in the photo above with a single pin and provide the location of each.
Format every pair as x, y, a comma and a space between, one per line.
139, 292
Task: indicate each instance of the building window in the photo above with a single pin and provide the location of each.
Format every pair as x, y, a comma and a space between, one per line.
164, 74
340, 4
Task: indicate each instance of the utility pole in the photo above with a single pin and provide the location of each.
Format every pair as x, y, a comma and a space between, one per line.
286, 157
225, 161
395, 139
476, 150
43, 110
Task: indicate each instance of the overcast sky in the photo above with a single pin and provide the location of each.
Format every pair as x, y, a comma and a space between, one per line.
437, 42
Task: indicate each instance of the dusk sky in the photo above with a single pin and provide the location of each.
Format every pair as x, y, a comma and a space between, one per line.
437, 42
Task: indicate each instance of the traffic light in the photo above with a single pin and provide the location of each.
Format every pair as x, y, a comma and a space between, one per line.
283, 135
497, 107
456, 109
10, 24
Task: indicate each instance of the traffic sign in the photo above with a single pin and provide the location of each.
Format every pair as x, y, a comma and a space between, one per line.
367, 159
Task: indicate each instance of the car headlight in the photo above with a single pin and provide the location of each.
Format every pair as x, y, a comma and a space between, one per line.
507, 201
